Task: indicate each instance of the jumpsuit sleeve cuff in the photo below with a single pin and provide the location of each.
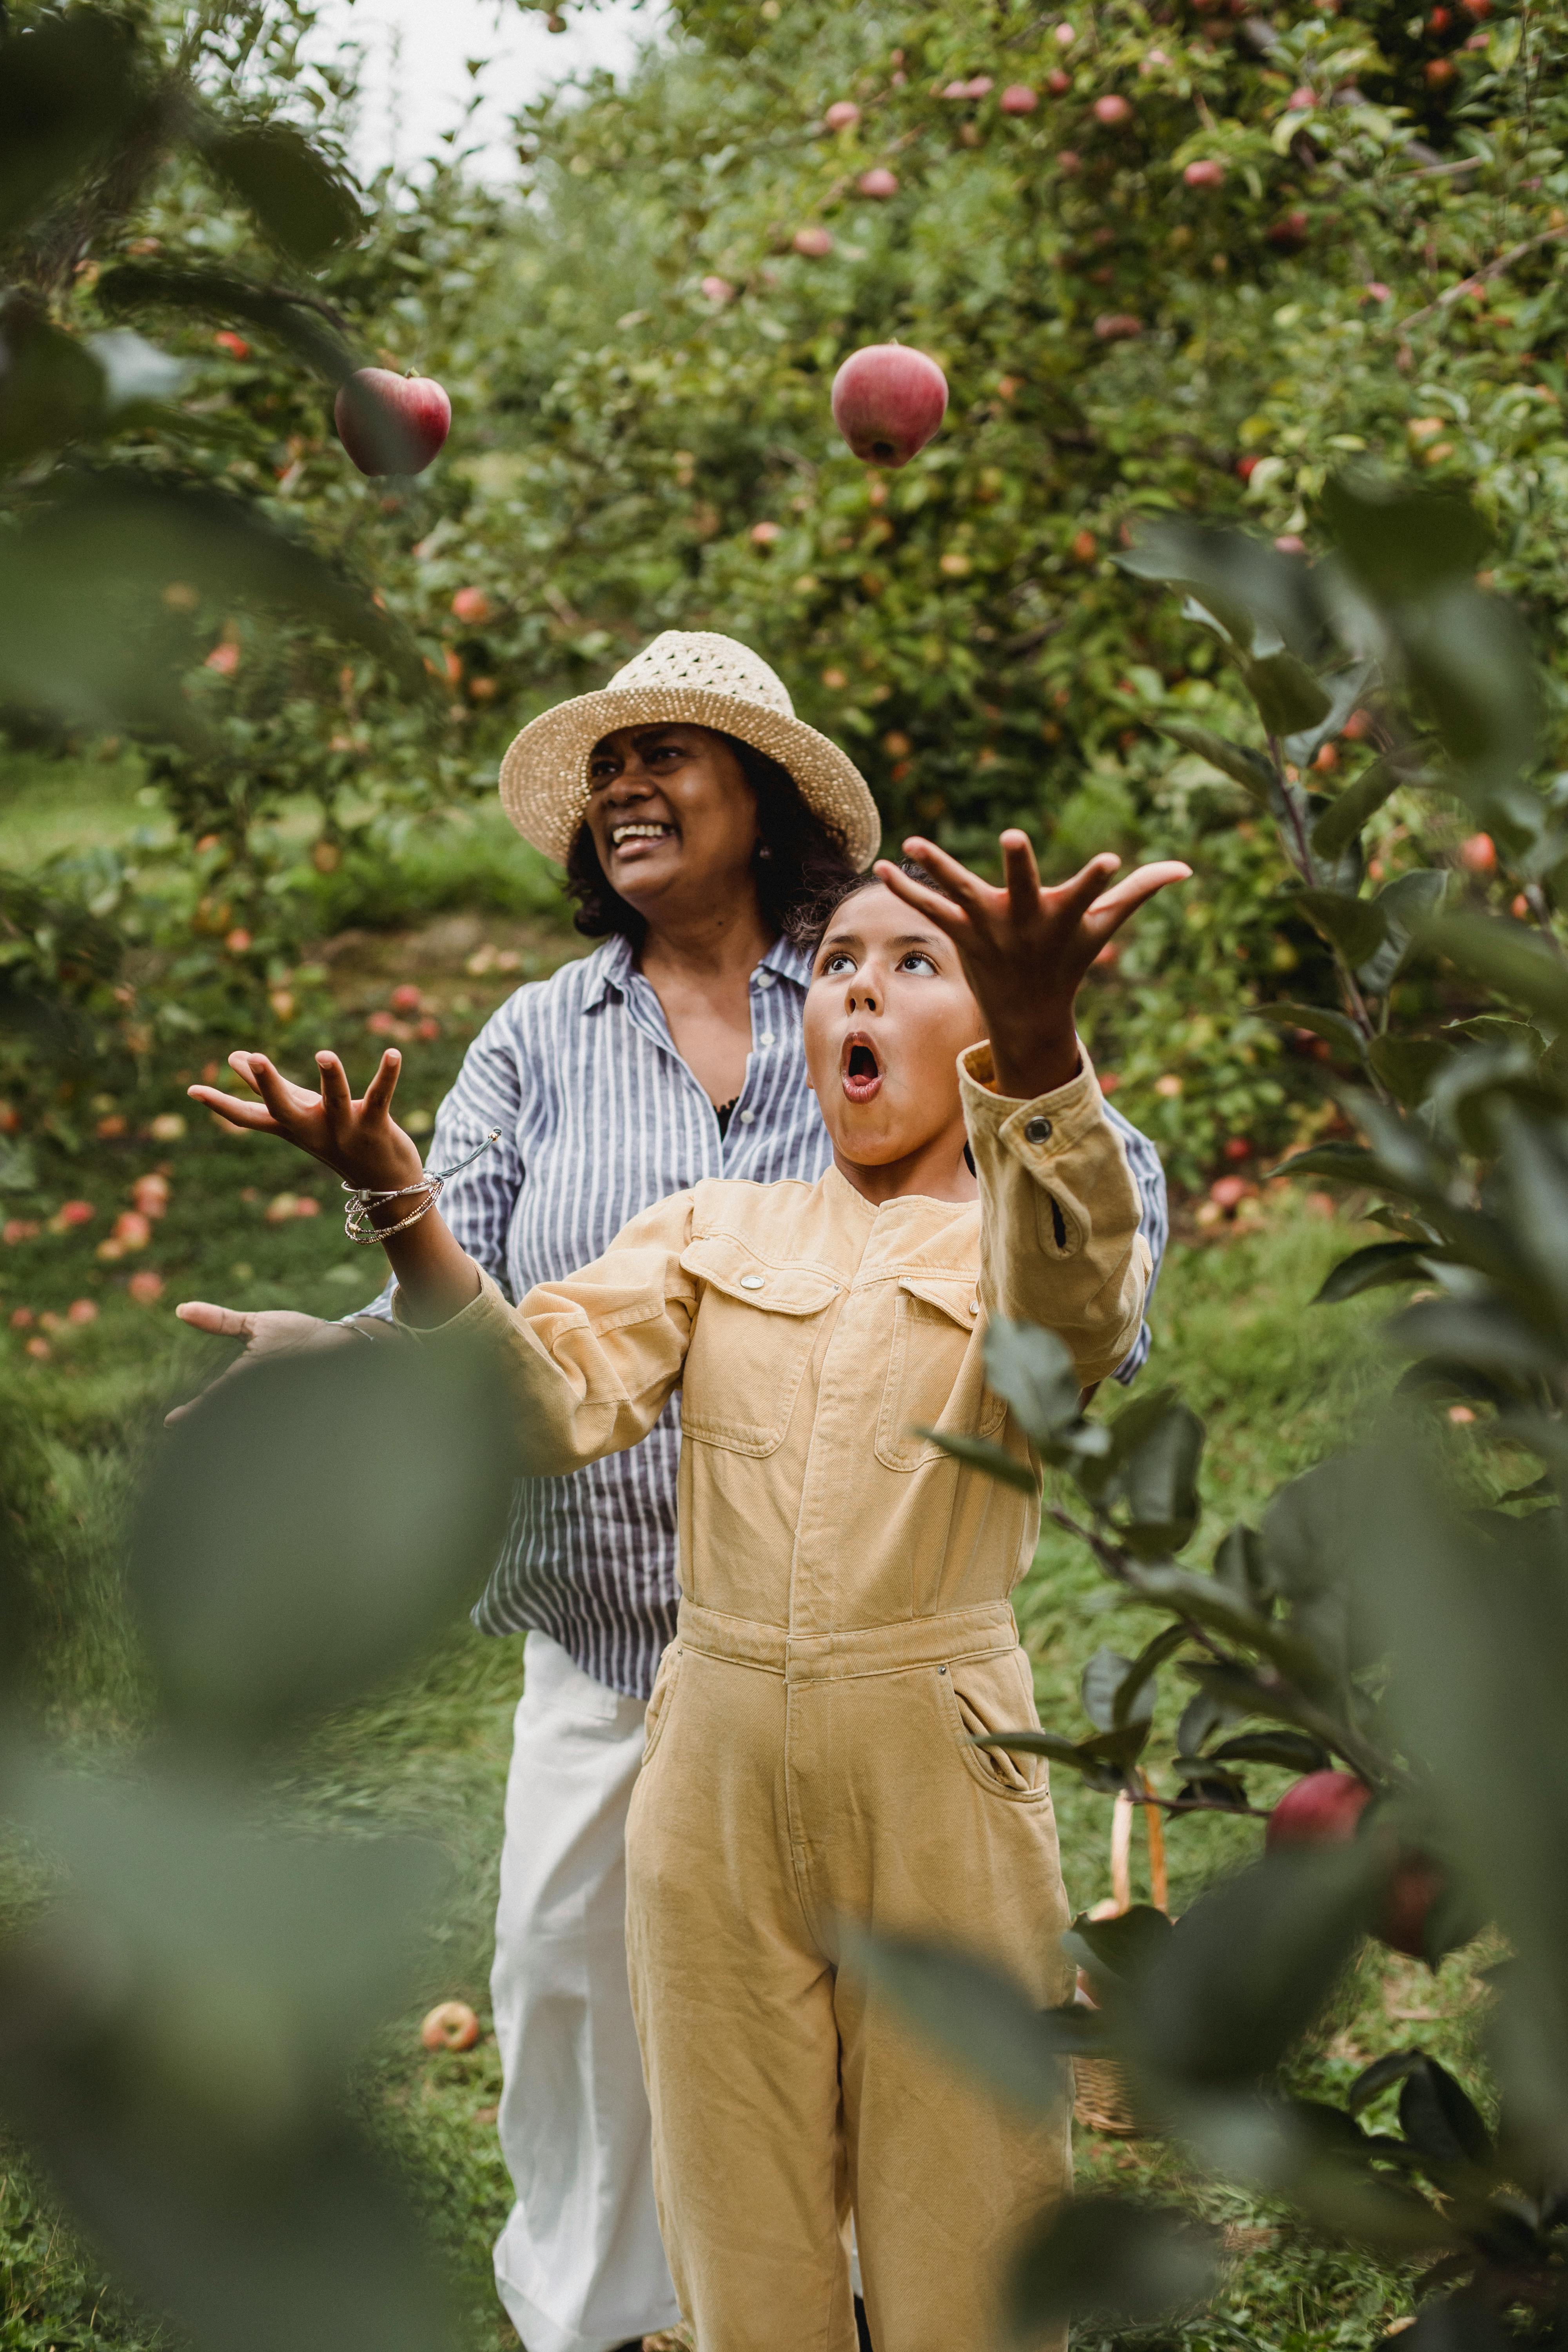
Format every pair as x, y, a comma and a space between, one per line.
1036, 1131
489, 1313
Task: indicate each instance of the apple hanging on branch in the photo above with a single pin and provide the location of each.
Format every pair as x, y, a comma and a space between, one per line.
888, 402
1325, 1809
392, 424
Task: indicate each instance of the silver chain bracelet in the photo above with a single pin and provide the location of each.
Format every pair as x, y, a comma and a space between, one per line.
357, 1226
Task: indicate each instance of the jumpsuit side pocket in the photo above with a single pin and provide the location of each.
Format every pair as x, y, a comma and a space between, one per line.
657, 1714
993, 1694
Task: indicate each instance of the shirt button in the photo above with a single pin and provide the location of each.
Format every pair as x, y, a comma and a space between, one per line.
1038, 1131
747, 1116
750, 1282
766, 1039
764, 980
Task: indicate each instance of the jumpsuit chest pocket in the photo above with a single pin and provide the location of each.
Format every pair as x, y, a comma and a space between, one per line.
936, 1374
755, 1331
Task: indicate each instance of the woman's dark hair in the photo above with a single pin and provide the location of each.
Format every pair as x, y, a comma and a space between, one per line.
799, 858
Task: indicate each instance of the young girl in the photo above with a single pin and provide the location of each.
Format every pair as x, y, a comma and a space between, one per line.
844, 1626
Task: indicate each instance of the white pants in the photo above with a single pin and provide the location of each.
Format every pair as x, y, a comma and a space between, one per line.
579, 2265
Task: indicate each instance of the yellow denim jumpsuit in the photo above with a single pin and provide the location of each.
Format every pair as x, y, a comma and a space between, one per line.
844, 1628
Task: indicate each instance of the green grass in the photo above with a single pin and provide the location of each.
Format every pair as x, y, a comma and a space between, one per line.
1276, 1381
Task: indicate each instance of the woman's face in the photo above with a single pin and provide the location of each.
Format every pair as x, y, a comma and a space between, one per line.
673, 818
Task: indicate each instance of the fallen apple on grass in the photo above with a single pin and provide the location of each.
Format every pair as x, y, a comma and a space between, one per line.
392, 424
450, 2025
887, 402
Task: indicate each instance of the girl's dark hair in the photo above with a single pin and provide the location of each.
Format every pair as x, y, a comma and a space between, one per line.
814, 921
799, 859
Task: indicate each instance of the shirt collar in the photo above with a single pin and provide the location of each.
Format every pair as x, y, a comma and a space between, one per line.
614, 966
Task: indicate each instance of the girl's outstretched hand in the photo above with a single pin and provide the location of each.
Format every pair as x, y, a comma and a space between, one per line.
359, 1140
1024, 948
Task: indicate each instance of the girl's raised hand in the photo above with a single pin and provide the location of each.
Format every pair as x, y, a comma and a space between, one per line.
1025, 948
359, 1140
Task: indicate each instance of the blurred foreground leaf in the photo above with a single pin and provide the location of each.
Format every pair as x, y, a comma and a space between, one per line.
84, 629
1106, 2260
310, 1524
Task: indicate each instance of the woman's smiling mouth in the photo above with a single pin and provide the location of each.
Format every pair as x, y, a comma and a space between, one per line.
635, 831
860, 1071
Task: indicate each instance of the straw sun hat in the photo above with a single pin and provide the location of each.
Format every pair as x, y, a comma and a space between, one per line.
706, 681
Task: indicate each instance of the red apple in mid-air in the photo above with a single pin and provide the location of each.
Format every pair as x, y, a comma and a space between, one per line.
392, 424
1320, 1809
887, 402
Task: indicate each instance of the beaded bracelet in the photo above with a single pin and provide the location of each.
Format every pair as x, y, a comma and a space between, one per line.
356, 1214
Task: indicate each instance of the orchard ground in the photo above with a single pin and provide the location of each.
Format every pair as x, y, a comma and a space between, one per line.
245, 1223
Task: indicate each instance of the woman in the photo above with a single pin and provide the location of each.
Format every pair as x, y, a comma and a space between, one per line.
698, 821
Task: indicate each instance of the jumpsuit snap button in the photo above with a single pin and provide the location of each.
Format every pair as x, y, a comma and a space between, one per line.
1038, 1131
941, 1670
975, 1306
750, 1282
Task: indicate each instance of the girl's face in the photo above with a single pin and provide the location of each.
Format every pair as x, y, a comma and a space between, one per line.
673, 818
887, 1016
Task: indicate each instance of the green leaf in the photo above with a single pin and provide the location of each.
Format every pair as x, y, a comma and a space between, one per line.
1035, 1371
83, 627
294, 193
69, 84
1248, 1967
1380, 2076
1294, 1751
193, 290
1150, 1473
979, 1453
51, 387
1102, 1678
1129, 1705
1470, 658
1344, 690
1289, 697
1368, 1269
980, 2016
1117, 2265
1409, 1066
1399, 544
400, 1464
1239, 1567
1346, 1163
1337, 1028
1344, 818
1488, 1334
1406, 906
186, 2023
1356, 927
1439, 2121
1507, 957
1248, 769
1117, 1953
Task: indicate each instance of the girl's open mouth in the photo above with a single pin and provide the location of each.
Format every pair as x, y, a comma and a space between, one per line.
860, 1070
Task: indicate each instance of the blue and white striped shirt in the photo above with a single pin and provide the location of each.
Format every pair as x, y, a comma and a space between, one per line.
599, 1117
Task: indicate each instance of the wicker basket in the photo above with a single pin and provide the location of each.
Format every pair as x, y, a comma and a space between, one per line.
1101, 2101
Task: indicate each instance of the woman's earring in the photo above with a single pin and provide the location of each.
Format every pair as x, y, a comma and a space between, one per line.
762, 851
